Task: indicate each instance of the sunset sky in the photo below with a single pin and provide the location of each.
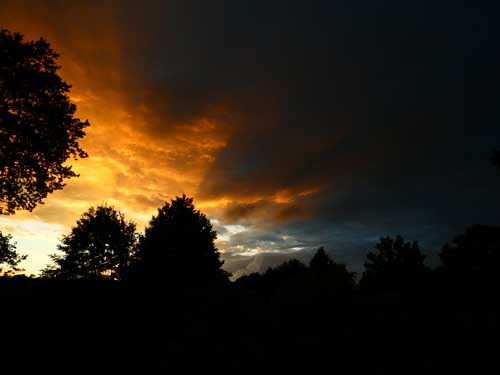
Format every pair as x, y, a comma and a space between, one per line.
293, 124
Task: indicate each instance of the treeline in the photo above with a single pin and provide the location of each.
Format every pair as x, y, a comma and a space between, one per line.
177, 249
178, 244
469, 266
114, 300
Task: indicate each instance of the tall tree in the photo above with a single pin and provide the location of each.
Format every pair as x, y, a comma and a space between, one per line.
396, 264
321, 262
100, 246
8, 254
178, 245
38, 130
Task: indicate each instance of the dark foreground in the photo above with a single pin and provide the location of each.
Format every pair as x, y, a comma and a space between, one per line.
51, 326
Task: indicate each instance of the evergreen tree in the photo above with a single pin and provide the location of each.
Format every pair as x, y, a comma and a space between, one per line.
178, 246
329, 275
321, 262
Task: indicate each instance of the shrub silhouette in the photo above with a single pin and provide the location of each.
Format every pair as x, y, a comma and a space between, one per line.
8, 254
179, 245
38, 132
100, 246
396, 265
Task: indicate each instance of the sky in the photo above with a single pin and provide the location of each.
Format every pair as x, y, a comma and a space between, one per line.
293, 124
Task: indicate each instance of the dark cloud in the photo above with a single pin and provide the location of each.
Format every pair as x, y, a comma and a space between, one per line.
262, 211
326, 122
388, 109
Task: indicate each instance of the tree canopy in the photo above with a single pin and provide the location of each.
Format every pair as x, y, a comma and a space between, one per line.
495, 159
288, 270
474, 255
327, 272
179, 244
396, 264
100, 246
38, 130
8, 253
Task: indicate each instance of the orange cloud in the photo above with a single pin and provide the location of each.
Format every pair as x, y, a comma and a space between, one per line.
130, 165
151, 140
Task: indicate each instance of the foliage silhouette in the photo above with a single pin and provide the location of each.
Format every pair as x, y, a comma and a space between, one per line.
292, 271
495, 159
322, 278
288, 282
287, 270
179, 245
329, 275
253, 283
474, 256
8, 254
396, 264
286, 314
321, 262
38, 132
100, 246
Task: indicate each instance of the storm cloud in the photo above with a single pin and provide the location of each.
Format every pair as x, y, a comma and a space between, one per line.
307, 123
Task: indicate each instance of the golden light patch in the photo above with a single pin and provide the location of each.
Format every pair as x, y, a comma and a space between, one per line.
132, 164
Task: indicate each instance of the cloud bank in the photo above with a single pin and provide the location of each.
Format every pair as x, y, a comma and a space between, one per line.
306, 123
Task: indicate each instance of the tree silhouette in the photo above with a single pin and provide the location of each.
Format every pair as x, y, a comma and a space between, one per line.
396, 264
475, 255
178, 246
329, 274
100, 246
8, 254
321, 262
495, 159
288, 270
38, 132
288, 281
254, 283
